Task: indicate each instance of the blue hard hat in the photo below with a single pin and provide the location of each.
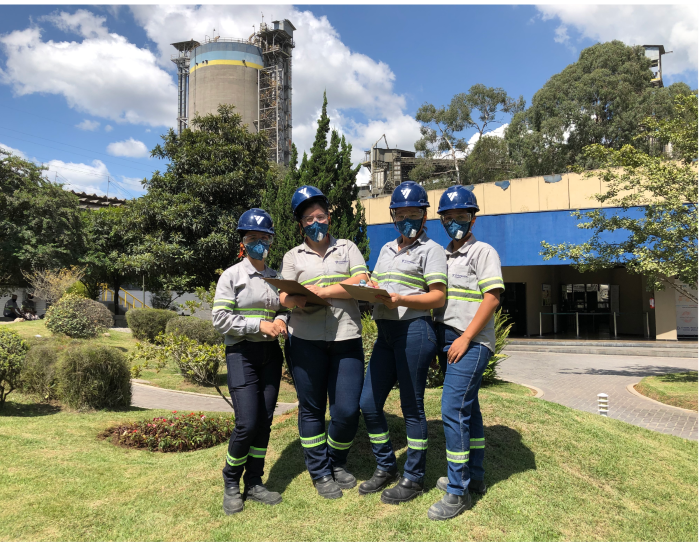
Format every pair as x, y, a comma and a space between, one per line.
256, 219
303, 194
455, 197
409, 193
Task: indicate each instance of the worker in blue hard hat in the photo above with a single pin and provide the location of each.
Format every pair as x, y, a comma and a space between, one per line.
413, 271
248, 312
325, 344
466, 342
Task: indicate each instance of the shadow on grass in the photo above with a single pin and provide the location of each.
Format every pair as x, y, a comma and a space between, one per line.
12, 408
690, 376
505, 455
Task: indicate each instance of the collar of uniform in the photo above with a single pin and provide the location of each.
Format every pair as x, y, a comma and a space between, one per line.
422, 239
464, 248
331, 243
249, 268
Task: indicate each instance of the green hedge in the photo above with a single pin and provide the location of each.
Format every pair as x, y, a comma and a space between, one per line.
196, 329
12, 352
93, 376
147, 323
78, 317
39, 375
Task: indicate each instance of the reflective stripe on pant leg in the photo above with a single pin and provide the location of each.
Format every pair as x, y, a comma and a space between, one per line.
460, 457
378, 439
257, 452
315, 441
233, 461
417, 444
477, 443
337, 445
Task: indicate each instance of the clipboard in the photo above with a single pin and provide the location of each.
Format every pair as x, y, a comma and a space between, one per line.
365, 293
294, 288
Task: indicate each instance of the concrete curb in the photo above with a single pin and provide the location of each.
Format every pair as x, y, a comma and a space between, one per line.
538, 392
631, 389
147, 384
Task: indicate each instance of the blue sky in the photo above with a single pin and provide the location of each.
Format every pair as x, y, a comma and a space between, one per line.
90, 89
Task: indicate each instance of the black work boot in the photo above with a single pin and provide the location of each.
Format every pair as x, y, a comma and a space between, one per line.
378, 481
259, 493
233, 502
404, 491
450, 506
343, 478
327, 487
475, 485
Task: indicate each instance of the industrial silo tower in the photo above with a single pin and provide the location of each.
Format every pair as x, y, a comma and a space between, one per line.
255, 75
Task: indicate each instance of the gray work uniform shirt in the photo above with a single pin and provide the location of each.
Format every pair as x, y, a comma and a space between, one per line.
471, 271
408, 272
242, 300
341, 321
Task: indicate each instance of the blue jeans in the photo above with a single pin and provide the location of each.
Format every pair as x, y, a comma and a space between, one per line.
333, 369
461, 416
403, 352
254, 373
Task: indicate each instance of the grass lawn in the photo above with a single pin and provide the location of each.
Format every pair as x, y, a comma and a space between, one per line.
677, 389
554, 473
168, 378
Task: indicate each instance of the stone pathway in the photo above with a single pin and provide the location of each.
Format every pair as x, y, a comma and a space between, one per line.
149, 397
576, 380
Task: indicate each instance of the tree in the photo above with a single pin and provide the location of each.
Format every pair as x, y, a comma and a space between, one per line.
187, 220
40, 223
662, 243
489, 161
600, 99
488, 104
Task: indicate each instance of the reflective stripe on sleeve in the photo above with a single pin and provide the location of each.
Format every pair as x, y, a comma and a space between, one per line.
417, 444
395, 277
308, 442
460, 457
464, 295
358, 269
378, 439
477, 443
337, 445
490, 283
233, 461
223, 304
431, 278
255, 312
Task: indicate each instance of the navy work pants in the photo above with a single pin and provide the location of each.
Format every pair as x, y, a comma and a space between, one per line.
461, 416
254, 373
327, 371
403, 352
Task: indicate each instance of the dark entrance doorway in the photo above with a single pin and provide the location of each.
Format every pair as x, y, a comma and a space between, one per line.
513, 304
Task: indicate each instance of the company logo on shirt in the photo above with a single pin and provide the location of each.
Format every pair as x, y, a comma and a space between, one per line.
405, 193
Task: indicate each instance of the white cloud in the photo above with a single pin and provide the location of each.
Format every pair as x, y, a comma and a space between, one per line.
108, 128
13, 151
674, 26
128, 148
89, 125
352, 80
93, 178
497, 132
103, 74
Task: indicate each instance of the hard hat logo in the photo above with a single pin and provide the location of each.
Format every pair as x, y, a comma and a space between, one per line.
259, 219
405, 193
452, 195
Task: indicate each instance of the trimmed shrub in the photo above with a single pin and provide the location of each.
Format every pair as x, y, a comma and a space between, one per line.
78, 288
93, 376
146, 324
78, 317
39, 375
13, 349
195, 329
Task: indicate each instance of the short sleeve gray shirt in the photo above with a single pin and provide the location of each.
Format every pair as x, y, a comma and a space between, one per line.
341, 321
408, 272
471, 271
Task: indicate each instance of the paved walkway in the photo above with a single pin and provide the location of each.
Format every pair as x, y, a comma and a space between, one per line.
576, 380
149, 397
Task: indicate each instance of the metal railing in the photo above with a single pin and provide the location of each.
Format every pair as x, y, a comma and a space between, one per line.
108, 296
614, 320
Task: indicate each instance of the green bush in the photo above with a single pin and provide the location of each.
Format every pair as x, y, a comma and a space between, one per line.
369, 336
39, 372
93, 376
146, 323
502, 331
78, 288
196, 329
13, 349
78, 317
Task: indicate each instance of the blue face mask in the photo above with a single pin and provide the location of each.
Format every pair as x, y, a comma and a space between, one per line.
409, 228
316, 231
257, 250
457, 230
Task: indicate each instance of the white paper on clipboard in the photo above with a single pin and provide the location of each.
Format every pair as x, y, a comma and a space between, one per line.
365, 293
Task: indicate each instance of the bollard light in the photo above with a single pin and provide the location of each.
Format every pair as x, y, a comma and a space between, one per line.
603, 404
